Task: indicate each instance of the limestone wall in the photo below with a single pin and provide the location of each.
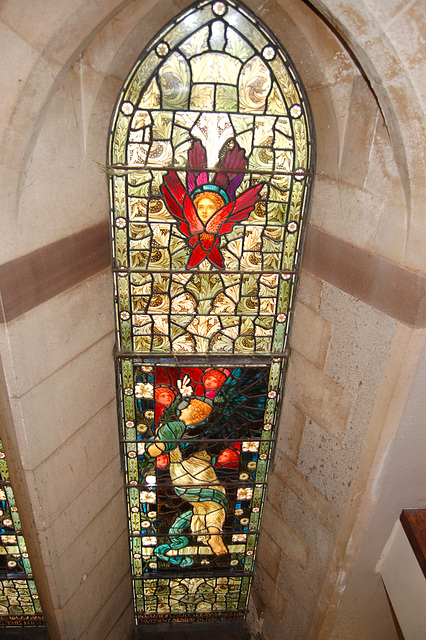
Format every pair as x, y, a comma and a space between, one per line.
345, 382
355, 347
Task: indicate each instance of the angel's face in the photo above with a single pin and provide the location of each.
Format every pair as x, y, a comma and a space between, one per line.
206, 205
206, 209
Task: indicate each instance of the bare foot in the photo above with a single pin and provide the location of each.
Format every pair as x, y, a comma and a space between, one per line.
216, 542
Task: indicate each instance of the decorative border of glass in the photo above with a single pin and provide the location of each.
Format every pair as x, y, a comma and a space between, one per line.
210, 161
19, 603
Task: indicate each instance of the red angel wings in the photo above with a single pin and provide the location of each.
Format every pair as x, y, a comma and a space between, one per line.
204, 238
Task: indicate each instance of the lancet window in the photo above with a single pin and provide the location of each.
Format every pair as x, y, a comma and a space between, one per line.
210, 160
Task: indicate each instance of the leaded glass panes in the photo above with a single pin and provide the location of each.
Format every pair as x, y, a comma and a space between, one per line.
210, 162
19, 603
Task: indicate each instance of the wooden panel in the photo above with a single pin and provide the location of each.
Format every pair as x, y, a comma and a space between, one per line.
414, 524
405, 584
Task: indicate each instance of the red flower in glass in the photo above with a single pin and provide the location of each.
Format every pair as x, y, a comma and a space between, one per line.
207, 210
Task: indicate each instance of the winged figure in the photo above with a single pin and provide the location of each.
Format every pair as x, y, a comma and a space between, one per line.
199, 435
205, 210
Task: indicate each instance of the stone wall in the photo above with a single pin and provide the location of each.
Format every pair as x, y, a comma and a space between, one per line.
346, 355
356, 333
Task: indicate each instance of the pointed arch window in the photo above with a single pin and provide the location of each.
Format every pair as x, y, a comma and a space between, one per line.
210, 160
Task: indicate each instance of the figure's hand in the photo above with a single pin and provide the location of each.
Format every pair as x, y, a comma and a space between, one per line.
156, 449
184, 387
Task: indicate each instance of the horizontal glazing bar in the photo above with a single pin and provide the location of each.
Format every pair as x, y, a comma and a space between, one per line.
158, 575
192, 314
179, 359
226, 441
219, 616
150, 618
126, 168
16, 576
240, 483
227, 531
251, 272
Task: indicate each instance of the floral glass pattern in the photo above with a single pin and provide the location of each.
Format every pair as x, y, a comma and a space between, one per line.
19, 603
210, 161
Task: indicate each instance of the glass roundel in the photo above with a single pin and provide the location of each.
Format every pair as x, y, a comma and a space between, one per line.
210, 163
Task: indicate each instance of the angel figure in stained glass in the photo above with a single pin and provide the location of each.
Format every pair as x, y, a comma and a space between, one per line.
195, 481
205, 210
192, 431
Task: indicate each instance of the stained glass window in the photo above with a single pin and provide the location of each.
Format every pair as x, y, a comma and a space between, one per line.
19, 603
210, 163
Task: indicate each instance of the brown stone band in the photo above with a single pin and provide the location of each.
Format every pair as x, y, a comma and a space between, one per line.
396, 291
38, 276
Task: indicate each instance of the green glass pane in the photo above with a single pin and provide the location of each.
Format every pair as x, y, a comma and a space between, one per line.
141, 76
247, 29
174, 80
237, 46
202, 97
215, 67
253, 86
226, 98
285, 81
120, 139
196, 44
188, 25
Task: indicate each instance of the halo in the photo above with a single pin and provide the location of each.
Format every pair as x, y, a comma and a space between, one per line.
214, 188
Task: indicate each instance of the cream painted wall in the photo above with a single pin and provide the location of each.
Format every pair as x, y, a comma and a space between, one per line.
352, 366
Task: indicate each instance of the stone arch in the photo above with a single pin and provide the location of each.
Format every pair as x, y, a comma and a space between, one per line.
387, 73
370, 35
